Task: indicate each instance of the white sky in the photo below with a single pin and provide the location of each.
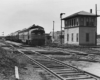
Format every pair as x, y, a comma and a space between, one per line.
18, 14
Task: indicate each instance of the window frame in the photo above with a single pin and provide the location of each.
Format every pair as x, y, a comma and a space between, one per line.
87, 37
77, 37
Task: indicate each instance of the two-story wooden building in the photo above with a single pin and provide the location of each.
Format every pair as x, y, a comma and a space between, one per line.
80, 28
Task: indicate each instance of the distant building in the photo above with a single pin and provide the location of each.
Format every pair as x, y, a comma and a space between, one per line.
48, 40
1, 37
80, 28
57, 37
98, 36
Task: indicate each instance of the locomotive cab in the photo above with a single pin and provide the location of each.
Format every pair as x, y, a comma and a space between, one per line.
37, 37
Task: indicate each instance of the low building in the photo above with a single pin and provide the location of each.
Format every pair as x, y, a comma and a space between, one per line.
48, 40
56, 36
80, 28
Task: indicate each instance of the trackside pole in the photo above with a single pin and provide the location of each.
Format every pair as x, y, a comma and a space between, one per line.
16, 73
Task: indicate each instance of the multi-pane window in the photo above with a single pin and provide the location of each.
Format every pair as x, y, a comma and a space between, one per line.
82, 21
87, 37
77, 37
74, 22
71, 23
77, 22
87, 21
72, 36
93, 21
66, 23
67, 37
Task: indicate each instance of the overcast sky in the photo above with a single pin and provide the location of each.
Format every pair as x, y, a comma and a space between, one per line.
18, 14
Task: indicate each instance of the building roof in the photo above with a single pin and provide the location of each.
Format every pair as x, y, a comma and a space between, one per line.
80, 13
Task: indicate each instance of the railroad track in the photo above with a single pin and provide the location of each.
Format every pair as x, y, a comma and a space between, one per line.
57, 68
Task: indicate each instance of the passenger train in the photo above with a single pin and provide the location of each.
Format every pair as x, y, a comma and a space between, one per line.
34, 35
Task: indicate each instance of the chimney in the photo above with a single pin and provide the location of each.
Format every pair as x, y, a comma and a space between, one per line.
90, 10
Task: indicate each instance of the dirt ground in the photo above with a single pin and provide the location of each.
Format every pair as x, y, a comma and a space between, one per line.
89, 66
27, 71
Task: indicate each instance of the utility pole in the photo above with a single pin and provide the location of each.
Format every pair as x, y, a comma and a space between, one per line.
61, 25
3, 34
96, 24
53, 29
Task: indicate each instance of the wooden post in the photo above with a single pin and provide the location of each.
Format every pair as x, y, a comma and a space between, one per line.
16, 73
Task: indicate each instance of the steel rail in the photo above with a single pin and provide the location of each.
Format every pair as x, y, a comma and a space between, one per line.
43, 67
60, 62
53, 73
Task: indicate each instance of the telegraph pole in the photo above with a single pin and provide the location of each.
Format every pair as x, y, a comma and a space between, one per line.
3, 34
61, 25
53, 29
96, 24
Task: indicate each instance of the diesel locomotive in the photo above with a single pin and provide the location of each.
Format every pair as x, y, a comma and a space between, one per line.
34, 35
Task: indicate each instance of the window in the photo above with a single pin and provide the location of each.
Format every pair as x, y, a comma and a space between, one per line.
74, 22
77, 22
87, 22
70, 23
87, 37
66, 23
67, 37
72, 36
77, 37
82, 21
92, 22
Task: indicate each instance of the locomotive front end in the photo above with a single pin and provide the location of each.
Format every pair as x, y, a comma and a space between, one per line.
37, 36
